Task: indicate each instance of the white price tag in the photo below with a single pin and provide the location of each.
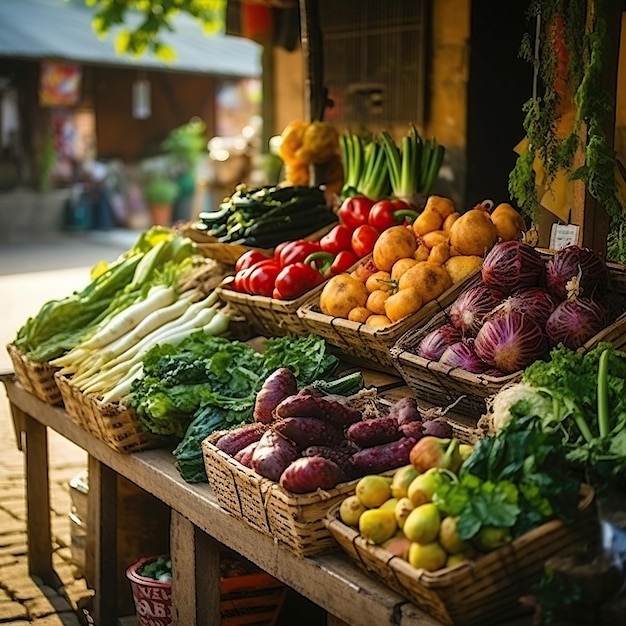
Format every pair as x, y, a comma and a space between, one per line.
563, 235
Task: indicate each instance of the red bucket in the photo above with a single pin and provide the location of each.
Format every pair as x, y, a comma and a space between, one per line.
153, 599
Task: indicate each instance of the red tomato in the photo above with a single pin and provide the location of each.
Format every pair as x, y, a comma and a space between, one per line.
337, 239
297, 251
262, 278
363, 239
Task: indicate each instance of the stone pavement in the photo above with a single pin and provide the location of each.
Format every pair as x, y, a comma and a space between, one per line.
32, 273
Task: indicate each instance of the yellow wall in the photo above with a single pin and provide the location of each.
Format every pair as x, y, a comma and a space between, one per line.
450, 71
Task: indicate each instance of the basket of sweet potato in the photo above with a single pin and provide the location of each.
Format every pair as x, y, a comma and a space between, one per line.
305, 452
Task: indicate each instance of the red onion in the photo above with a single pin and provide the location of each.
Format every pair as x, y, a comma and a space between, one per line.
534, 301
462, 354
512, 265
511, 341
470, 308
574, 271
433, 345
575, 321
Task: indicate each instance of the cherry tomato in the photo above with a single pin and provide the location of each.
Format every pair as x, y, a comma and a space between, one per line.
363, 239
249, 258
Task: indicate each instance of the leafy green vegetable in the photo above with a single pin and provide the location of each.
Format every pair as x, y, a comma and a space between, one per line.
577, 387
533, 460
210, 383
478, 503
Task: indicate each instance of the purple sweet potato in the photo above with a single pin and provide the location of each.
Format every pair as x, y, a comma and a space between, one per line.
308, 431
341, 455
412, 429
272, 455
237, 439
385, 457
332, 411
310, 473
405, 410
374, 431
245, 456
438, 427
279, 385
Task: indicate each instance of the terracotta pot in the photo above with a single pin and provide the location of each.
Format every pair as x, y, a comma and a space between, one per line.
161, 214
153, 599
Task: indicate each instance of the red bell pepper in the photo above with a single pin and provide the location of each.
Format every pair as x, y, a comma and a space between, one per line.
355, 210
363, 239
344, 260
240, 280
386, 213
249, 258
262, 278
337, 239
295, 279
296, 251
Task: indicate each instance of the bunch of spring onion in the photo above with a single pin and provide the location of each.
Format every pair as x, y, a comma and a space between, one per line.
366, 172
109, 361
159, 256
413, 166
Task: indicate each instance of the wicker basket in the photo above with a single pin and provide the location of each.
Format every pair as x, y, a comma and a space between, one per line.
444, 385
266, 316
294, 520
474, 593
37, 378
371, 345
113, 423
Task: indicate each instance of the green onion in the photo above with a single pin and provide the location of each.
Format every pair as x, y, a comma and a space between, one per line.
603, 393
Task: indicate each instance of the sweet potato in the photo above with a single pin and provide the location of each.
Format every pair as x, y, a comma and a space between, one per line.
412, 429
237, 439
310, 473
438, 427
279, 385
245, 456
272, 455
338, 454
384, 457
308, 431
405, 410
373, 432
330, 410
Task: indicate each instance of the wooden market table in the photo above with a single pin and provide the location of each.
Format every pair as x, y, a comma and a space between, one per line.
198, 529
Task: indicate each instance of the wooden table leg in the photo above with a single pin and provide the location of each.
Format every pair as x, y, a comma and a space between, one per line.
35, 442
196, 574
101, 550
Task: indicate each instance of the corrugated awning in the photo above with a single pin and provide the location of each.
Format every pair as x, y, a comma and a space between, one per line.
55, 29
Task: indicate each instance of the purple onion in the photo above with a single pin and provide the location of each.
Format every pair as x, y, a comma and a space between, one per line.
574, 271
511, 341
433, 345
462, 354
576, 321
470, 308
512, 265
534, 301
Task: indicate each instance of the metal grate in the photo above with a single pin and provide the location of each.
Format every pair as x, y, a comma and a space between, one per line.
375, 60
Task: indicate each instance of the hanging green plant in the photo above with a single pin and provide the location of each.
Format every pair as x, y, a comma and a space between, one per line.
572, 105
